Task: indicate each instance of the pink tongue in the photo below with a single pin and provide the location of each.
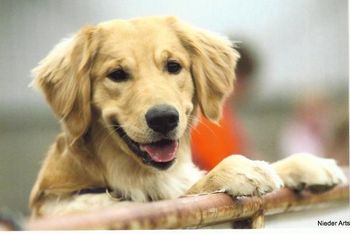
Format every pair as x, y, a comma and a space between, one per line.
164, 153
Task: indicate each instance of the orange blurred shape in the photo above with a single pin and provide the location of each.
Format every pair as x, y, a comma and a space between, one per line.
211, 143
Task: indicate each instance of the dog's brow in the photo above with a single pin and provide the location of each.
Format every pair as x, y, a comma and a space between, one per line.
166, 54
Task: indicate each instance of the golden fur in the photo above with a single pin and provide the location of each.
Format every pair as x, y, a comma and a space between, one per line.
88, 153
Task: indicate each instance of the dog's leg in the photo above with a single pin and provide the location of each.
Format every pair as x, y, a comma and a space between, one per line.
304, 170
238, 176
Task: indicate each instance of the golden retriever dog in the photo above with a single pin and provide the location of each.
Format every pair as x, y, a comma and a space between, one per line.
127, 93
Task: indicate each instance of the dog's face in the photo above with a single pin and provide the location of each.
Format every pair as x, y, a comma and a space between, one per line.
143, 79
143, 87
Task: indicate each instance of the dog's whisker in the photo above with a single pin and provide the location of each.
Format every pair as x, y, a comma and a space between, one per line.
203, 123
190, 127
212, 131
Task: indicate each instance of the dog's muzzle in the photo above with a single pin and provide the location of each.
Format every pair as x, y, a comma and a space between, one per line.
160, 154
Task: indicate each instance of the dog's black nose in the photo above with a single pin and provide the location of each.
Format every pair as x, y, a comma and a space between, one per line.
162, 118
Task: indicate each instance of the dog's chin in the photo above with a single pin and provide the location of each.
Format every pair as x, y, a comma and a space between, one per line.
159, 154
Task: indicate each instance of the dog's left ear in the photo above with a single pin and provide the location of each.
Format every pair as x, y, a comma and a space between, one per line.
64, 78
213, 61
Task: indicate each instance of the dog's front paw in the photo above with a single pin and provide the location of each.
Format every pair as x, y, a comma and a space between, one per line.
239, 176
303, 170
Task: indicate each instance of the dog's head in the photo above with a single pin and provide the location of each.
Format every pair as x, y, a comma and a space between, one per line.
143, 79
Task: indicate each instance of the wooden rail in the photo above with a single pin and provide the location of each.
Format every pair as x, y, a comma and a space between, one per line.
195, 211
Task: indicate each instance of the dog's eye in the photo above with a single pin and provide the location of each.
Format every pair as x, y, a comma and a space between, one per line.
173, 67
118, 75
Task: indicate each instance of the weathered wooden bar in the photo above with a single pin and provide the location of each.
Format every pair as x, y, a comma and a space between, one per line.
195, 211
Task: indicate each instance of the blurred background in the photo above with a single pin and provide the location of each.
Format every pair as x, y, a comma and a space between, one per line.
291, 94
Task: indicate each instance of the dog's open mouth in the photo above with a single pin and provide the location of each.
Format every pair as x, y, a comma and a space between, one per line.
160, 154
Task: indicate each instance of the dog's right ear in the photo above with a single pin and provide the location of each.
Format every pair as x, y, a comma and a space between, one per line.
64, 78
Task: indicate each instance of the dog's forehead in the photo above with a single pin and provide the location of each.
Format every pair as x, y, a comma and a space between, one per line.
138, 33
